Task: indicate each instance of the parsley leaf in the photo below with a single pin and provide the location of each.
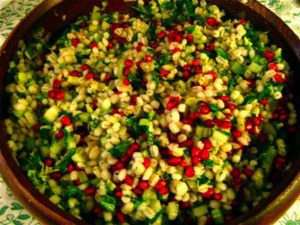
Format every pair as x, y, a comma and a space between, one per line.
120, 149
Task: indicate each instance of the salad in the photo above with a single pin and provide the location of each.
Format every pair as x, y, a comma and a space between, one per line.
175, 114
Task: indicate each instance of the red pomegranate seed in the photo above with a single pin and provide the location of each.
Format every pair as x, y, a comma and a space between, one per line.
236, 133
162, 35
93, 44
190, 38
218, 196
36, 127
235, 173
194, 115
133, 99
163, 72
126, 81
128, 180
204, 110
248, 125
209, 193
147, 162
119, 194
183, 163
187, 143
128, 63
56, 83
107, 77
135, 146
278, 78
49, 162
225, 98
121, 217
195, 151
163, 191
257, 121
186, 68
269, 55
148, 58
195, 160
90, 191
231, 106
172, 104
59, 134
264, 101
52, 94
142, 184
204, 154
97, 210
85, 67
75, 41
273, 66
209, 123
75, 73
185, 205
207, 144
65, 121
211, 21
90, 76
110, 45
195, 62
189, 172
229, 218
60, 96
126, 71
137, 191
174, 161
210, 47
55, 175
160, 184
225, 124
213, 74
249, 172
70, 168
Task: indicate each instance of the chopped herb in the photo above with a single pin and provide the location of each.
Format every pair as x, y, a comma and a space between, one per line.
120, 149
108, 203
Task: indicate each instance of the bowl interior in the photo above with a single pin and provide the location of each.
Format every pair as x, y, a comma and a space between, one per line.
55, 15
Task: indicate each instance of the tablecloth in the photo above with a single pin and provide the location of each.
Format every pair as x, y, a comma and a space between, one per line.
11, 11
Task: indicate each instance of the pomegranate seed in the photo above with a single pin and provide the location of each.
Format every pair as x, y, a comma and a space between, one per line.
75, 41
269, 55
257, 121
119, 194
65, 121
148, 58
183, 163
195, 62
209, 193
278, 78
225, 98
110, 45
235, 173
70, 168
264, 101
83, 24
163, 191
225, 124
135, 146
196, 160
190, 38
209, 123
75, 73
273, 66
210, 47
211, 21
49, 162
248, 125
186, 74
93, 44
213, 74
147, 162
231, 106
137, 191
128, 63
174, 161
126, 71
204, 154
56, 83
172, 104
90, 191
194, 115
187, 143
163, 72
160, 184
190, 172
195, 152
55, 175
90, 76
60, 95
107, 77
186, 68
128, 180
133, 99
126, 81
207, 144
229, 218
249, 172
52, 94
121, 217
59, 134
218, 196
142, 184
236, 133
185, 205
85, 67
205, 110
162, 35
77, 168
97, 210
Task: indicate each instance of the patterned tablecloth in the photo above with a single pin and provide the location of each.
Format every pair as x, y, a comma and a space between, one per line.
11, 11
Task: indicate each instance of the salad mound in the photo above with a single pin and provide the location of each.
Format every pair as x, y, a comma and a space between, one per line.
176, 114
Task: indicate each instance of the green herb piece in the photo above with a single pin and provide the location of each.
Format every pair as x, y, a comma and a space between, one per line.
221, 52
108, 203
202, 180
65, 161
208, 162
120, 149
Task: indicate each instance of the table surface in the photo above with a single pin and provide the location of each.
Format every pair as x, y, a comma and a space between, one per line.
11, 11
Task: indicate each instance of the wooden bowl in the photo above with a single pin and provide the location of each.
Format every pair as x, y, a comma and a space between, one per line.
50, 15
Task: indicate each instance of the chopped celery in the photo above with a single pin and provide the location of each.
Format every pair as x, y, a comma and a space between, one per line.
52, 113
200, 211
217, 216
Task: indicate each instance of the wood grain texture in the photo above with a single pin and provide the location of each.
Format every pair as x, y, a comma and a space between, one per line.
49, 15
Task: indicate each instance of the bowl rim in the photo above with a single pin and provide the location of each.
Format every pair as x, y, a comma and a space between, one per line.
48, 213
